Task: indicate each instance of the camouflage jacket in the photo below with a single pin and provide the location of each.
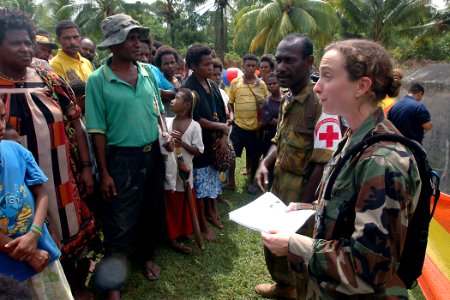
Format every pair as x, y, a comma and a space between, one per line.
375, 194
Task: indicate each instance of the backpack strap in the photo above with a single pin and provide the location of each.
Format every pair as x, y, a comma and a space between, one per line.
417, 150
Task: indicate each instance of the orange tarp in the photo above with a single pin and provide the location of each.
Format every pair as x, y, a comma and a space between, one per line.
435, 279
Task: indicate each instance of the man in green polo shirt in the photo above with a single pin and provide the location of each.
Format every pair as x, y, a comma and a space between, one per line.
122, 109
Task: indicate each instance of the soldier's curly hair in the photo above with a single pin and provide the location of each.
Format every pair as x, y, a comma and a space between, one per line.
364, 58
11, 19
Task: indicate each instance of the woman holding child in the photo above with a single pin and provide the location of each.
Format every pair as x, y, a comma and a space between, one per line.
209, 112
41, 107
27, 251
360, 231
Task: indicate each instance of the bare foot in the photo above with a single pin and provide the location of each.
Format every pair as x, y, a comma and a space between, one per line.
180, 247
151, 270
210, 236
215, 222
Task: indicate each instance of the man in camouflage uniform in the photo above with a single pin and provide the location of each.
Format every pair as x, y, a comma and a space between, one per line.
298, 166
359, 260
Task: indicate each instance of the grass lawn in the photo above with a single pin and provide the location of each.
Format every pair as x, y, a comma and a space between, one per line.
227, 270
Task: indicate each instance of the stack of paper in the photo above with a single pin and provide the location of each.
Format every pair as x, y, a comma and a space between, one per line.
269, 213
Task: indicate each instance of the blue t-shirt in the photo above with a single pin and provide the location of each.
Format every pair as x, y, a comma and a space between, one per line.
408, 115
18, 170
162, 82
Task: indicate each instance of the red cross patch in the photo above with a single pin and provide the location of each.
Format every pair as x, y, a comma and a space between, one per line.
327, 133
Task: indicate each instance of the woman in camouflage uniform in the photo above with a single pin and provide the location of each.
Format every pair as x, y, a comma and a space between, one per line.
377, 193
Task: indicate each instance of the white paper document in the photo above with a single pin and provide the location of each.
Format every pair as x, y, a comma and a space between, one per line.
269, 213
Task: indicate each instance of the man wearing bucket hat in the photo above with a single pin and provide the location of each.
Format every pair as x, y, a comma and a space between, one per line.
44, 47
122, 108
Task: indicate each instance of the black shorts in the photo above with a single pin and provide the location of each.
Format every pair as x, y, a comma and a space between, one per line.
248, 139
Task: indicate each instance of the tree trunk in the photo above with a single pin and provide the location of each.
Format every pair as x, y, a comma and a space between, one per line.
222, 39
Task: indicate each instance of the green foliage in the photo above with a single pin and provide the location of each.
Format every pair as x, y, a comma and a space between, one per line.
383, 21
411, 28
232, 59
437, 48
273, 21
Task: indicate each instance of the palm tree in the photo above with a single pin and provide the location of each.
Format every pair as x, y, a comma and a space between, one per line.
219, 19
384, 20
60, 9
275, 20
36, 11
90, 13
438, 23
170, 11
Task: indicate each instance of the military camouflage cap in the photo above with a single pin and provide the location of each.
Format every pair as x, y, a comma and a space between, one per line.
115, 30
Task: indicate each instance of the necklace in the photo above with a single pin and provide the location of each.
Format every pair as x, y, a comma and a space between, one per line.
20, 83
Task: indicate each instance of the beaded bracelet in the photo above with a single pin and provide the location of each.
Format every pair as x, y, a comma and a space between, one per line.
39, 228
36, 232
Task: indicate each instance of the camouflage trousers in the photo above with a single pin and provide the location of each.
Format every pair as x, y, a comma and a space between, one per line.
287, 187
280, 271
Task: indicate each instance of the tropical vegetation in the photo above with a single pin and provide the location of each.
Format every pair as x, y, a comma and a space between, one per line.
409, 28
276, 19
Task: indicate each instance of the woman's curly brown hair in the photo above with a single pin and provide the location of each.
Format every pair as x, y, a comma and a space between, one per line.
365, 58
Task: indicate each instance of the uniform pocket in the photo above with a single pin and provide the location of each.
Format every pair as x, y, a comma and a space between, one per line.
296, 151
338, 213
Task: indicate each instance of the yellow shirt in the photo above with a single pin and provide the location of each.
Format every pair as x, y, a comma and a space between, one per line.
71, 68
386, 104
244, 103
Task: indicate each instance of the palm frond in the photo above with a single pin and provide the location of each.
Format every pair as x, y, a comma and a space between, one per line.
247, 20
268, 14
274, 37
323, 14
286, 25
303, 22
354, 12
65, 12
259, 39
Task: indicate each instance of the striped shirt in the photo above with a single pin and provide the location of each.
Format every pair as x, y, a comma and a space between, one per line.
244, 103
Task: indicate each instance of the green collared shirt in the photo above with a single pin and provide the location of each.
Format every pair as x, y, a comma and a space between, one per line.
127, 116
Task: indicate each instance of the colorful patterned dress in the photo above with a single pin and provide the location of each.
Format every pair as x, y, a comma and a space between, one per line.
40, 108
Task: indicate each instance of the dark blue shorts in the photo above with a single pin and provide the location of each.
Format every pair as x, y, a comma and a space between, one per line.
248, 139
